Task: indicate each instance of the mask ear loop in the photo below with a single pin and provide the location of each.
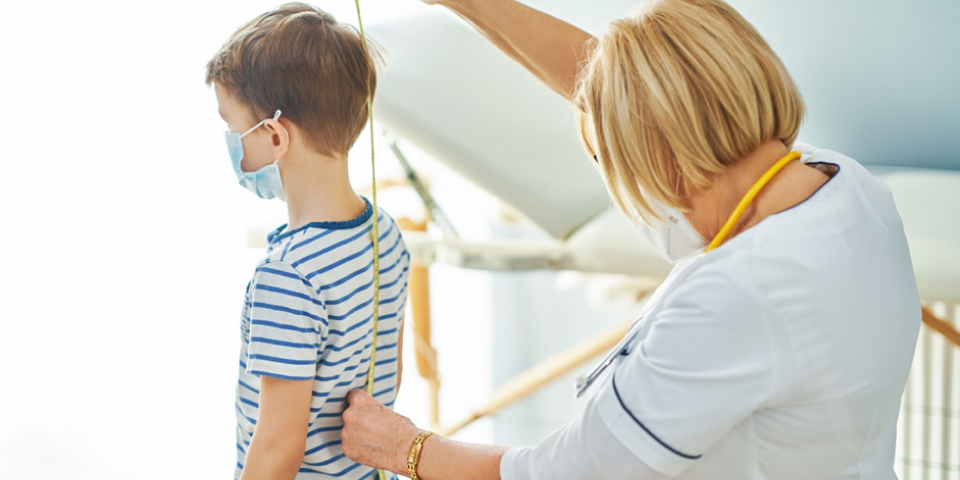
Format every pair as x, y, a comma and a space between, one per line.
275, 116
244, 134
287, 132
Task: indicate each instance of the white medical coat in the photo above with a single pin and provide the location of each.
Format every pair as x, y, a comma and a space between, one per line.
780, 355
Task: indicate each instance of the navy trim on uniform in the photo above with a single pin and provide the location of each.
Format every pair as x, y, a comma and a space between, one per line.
829, 180
645, 429
275, 235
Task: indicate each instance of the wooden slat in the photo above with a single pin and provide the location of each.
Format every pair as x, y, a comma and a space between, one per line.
545, 372
941, 326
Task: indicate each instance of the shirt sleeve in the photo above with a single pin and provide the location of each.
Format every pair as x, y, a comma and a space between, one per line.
402, 310
287, 324
584, 448
711, 358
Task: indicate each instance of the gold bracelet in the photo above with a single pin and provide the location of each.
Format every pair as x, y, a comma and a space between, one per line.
413, 458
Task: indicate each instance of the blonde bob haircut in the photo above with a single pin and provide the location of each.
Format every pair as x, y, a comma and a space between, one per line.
674, 94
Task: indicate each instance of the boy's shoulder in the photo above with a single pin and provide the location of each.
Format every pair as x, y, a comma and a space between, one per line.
320, 251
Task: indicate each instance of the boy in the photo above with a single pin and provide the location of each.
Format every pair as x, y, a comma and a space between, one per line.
292, 86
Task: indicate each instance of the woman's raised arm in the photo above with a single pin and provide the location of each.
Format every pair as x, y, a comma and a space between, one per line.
548, 47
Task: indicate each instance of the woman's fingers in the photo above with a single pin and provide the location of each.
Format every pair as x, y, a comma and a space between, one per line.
375, 435
359, 397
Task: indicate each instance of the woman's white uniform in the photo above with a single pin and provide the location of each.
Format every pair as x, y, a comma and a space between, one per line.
780, 355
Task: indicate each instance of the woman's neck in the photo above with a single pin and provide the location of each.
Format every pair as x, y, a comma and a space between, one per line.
317, 189
711, 207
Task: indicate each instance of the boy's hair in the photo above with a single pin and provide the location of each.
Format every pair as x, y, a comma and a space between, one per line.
681, 89
299, 59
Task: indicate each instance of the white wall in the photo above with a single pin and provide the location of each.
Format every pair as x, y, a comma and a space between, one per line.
124, 239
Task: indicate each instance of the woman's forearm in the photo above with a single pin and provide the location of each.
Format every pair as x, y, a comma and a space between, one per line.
442, 458
548, 47
381, 438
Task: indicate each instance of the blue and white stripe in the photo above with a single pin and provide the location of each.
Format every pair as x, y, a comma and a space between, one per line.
308, 315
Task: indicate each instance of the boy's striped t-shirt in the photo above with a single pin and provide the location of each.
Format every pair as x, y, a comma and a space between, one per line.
308, 315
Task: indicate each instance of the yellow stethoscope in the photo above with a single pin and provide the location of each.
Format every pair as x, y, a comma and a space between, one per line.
623, 347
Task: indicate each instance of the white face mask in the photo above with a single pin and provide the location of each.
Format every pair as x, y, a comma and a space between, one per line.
673, 237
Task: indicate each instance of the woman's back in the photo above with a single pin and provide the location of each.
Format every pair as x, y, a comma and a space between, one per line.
835, 294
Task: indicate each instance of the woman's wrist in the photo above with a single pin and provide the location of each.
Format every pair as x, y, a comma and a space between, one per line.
404, 442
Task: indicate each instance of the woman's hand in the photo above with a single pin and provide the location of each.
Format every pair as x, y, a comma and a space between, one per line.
375, 435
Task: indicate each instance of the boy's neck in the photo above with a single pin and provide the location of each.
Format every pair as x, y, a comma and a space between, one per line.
317, 189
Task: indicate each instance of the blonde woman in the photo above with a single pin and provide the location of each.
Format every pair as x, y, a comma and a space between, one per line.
779, 345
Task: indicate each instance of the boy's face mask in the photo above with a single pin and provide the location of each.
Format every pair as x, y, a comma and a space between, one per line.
265, 182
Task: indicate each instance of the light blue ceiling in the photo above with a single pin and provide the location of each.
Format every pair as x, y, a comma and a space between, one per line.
881, 78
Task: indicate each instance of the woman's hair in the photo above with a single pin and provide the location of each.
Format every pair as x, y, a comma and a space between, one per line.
680, 89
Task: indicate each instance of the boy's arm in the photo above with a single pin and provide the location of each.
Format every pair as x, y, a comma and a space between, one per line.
399, 354
280, 437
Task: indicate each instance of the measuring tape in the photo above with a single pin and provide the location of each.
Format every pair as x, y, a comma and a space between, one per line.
375, 230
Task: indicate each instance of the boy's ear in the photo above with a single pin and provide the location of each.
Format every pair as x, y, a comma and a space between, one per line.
279, 138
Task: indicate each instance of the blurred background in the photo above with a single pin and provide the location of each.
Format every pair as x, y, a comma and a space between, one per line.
127, 253
128, 242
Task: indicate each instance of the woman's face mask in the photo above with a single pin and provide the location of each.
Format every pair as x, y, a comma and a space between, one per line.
673, 237
265, 182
